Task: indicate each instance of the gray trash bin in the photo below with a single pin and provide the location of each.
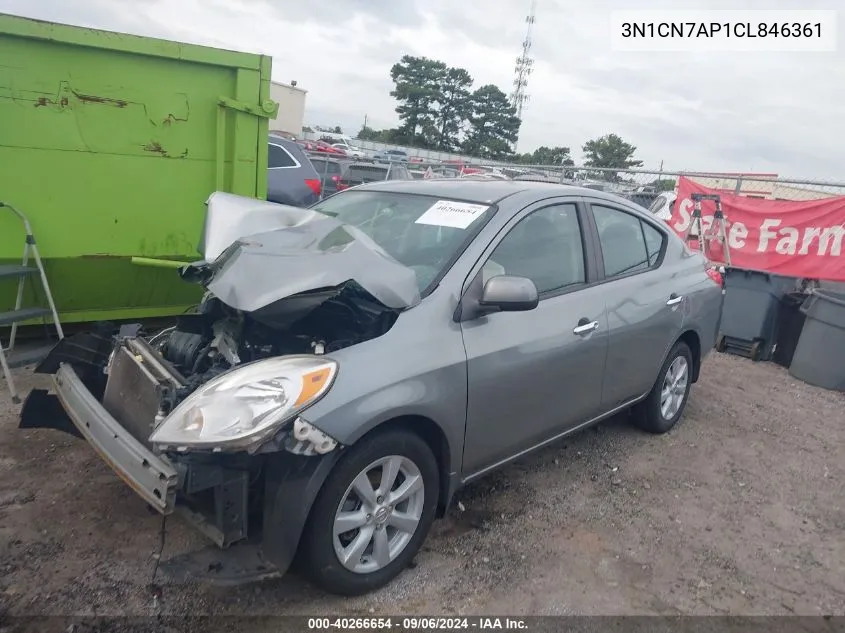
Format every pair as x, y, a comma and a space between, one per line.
820, 355
750, 310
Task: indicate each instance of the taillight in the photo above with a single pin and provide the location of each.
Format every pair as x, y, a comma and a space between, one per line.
341, 186
335, 179
314, 184
716, 276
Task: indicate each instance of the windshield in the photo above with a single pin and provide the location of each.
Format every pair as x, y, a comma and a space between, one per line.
366, 173
421, 232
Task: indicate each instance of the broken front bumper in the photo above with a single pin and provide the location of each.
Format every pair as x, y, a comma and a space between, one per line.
153, 478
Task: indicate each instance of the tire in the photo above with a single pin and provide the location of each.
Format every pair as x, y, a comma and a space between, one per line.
649, 414
319, 557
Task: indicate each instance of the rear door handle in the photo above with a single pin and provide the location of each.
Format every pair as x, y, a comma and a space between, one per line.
674, 300
586, 328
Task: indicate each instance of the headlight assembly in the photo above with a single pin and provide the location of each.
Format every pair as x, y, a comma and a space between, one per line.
245, 406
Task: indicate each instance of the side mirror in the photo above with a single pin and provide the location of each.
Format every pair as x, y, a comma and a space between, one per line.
506, 293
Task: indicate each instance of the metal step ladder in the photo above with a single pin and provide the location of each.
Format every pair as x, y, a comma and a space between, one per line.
19, 313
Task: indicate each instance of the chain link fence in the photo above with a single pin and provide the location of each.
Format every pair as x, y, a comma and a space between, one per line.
640, 185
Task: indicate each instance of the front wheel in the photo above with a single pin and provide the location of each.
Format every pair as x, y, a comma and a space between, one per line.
665, 404
372, 514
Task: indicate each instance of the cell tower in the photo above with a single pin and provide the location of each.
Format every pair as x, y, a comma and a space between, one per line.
523, 68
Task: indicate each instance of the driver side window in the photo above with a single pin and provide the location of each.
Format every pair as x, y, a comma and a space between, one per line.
545, 246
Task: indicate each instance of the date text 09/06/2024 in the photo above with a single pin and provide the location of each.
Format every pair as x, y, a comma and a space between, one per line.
417, 623
721, 29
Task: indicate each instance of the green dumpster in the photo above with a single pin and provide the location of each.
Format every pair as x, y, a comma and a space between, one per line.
111, 144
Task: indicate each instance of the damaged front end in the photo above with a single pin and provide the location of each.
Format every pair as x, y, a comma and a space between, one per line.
209, 418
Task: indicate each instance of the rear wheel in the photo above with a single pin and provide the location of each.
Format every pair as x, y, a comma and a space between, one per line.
372, 514
665, 404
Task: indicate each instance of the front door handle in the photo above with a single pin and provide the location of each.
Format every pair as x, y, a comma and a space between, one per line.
586, 328
674, 300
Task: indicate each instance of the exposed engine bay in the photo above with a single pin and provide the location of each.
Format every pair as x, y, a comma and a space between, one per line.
204, 345
283, 285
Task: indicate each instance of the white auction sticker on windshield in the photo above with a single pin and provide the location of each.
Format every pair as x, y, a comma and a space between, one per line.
458, 215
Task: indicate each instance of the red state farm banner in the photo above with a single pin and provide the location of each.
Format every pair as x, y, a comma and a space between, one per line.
785, 237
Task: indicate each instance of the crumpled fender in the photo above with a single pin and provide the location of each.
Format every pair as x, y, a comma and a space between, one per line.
292, 483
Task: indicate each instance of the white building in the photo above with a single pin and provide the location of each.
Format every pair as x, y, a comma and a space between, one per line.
291, 100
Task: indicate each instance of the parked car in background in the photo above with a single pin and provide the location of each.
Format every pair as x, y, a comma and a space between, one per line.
353, 365
360, 173
350, 150
321, 147
331, 171
642, 198
390, 156
662, 205
488, 176
537, 178
462, 166
291, 178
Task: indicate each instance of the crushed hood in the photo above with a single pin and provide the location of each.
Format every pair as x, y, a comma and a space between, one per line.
258, 253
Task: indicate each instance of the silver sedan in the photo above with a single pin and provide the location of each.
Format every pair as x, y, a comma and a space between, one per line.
354, 364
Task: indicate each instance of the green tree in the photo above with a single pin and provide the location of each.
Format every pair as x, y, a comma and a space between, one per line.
367, 133
611, 152
547, 156
417, 82
380, 136
663, 184
494, 126
337, 130
453, 107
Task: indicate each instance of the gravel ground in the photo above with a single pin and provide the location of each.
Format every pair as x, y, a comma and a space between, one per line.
739, 510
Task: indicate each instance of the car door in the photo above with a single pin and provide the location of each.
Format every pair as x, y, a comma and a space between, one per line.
644, 298
534, 374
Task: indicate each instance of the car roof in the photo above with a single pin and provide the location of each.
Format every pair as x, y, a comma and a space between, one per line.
484, 190
280, 140
373, 165
328, 158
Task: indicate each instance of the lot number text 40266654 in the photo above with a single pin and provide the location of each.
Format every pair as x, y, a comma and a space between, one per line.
417, 623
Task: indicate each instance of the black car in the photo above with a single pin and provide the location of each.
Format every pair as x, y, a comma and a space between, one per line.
642, 198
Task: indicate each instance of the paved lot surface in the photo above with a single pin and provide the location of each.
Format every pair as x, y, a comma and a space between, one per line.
739, 510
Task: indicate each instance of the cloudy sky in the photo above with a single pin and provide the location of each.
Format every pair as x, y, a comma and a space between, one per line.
705, 111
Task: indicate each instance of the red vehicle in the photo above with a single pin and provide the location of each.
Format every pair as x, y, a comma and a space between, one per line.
462, 167
320, 146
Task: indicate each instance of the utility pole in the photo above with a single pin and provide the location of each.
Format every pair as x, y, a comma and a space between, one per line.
524, 67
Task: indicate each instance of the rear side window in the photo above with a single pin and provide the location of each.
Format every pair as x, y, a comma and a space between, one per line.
279, 157
628, 244
653, 242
